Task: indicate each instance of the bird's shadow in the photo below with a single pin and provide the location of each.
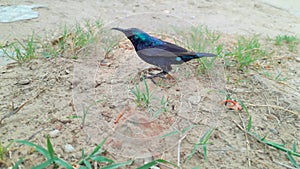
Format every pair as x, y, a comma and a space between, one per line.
157, 76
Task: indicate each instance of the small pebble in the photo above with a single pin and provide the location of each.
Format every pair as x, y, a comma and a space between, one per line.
166, 11
69, 148
298, 59
67, 71
54, 133
194, 100
24, 82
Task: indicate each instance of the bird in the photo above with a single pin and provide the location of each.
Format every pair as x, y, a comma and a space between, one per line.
158, 52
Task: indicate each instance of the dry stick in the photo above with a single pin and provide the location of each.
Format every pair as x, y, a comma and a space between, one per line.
247, 141
14, 111
19, 108
275, 107
34, 134
266, 143
178, 149
269, 111
284, 165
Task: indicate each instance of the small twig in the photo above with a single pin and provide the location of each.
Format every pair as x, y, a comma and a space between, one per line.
14, 111
247, 141
239, 126
34, 134
120, 116
267, 142
284, 165
19, 108
276, 107
179, 149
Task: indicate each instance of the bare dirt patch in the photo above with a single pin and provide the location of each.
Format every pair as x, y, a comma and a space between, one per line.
48, 91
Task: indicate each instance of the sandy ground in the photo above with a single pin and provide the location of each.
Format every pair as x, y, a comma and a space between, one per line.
242, 17
58, 88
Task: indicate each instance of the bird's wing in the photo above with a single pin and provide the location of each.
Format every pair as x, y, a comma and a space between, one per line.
156, 53
172, 47
157, 56
180, 51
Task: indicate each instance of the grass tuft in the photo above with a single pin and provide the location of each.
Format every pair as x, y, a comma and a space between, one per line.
202, 142
201, 39
142, 99
85, 162
290, 41
246, 52
21, 51
68, 44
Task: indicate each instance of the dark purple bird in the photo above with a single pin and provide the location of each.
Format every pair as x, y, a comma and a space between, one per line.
158, 52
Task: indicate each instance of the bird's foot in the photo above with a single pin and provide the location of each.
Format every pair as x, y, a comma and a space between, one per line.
162, 78
145, 74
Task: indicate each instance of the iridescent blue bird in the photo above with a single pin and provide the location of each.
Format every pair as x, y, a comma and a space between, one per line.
158, 52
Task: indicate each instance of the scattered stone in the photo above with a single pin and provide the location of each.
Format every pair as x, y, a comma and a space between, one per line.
67, 71
24, 82
105, 62
166, 11
298, 59
69, 148
194, 100
54, 133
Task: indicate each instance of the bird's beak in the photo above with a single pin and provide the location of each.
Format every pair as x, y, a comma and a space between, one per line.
127, 32
118, 29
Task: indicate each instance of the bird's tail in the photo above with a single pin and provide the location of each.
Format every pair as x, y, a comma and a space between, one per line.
200, 55
189, 57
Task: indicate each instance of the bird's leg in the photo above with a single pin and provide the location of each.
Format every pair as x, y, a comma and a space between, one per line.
145, 74
149, 74
161, 74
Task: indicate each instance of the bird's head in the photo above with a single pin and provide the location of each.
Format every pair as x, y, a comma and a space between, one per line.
134, 34
139, 38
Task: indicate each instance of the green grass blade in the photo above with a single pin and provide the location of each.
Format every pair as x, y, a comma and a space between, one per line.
170, 134
38, 148
249, 126
205, 152
147, 89
154, 162
293, 161
62, 163
44, 165
294, 146
206, 136
99, 146
197, 167
50, 147
202, 141
82, 167
73, 117
82, 153
118, 165
16, 166
95, 151
87, 164
188, 128
1, 151
272, 144
133, 92
102, 159
243, 106
193, 152
148, 165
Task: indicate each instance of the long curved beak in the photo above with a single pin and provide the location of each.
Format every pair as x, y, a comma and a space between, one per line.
118, 29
